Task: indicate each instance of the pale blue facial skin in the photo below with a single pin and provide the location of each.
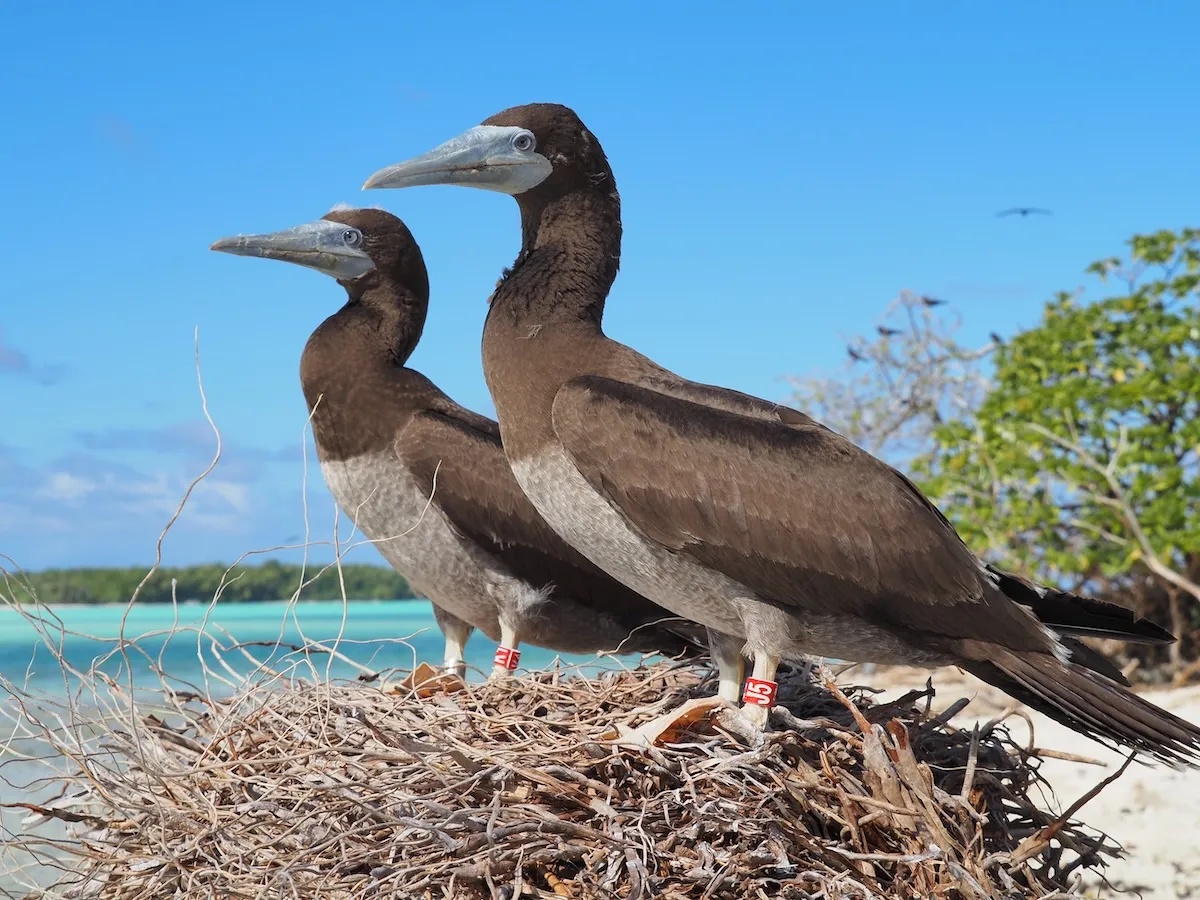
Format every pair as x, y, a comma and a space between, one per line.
500, 158
331, 248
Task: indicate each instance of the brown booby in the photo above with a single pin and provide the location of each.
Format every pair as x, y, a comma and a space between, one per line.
425, 479
779, 535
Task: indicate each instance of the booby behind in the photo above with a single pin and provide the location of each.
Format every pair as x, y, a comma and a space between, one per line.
780, 536
425, 479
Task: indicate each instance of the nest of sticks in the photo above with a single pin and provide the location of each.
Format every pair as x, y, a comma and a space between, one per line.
627, 785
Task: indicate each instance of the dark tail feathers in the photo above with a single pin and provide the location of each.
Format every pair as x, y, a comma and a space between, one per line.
1081, 616
1088, 702
1085, 656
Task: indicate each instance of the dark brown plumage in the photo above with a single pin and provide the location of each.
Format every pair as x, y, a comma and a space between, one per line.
379, 425
356, 357
779, 535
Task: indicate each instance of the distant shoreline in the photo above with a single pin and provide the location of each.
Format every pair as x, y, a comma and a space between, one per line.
266, 582
302, 601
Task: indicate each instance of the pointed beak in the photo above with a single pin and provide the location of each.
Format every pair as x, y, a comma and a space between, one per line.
320, 245
486, 156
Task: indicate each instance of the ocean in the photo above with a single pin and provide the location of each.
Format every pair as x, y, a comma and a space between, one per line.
196, 647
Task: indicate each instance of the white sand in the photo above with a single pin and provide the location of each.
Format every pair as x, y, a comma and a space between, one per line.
1154, 813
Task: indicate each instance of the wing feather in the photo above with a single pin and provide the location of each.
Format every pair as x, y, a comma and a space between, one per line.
795, 512
457, 457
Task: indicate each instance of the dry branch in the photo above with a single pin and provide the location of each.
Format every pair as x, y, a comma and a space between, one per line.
537, 786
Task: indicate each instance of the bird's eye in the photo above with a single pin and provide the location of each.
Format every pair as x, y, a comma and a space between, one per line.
523, 142
352, 237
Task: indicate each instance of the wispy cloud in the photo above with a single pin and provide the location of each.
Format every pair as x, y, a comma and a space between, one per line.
65, 487
85, 508
98, 494
119, 133
14, 361
193, 439
412, 93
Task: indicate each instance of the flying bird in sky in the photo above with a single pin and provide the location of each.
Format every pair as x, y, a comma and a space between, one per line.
1024, 211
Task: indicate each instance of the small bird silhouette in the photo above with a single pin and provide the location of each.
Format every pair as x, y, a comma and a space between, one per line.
855, 355
887, 332
1025, 211
996, 339
932, 301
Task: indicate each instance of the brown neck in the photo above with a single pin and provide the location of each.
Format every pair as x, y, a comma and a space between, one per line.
396, 310
352, 369
544, 324
570, 253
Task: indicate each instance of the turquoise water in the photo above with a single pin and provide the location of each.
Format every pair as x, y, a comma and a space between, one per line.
195, 646
379, 635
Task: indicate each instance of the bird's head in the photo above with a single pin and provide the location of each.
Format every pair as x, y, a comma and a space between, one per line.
350, 245
541, 149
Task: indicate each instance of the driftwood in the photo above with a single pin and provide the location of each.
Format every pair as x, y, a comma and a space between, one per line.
554, 785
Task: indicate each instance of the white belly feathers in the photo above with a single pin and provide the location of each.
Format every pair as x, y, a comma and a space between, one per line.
586, 521
391, 510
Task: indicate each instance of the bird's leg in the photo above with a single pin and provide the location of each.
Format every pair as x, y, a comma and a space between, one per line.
455, 661
456, 632
507, 654
759, 696
726, 652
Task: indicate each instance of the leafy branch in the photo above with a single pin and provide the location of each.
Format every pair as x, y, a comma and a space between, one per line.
1068, 452
1117, 498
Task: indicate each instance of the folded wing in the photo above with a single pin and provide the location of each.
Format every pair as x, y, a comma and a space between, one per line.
792, 510
457, 457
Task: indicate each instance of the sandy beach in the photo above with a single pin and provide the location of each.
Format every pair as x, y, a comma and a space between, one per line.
1152, 812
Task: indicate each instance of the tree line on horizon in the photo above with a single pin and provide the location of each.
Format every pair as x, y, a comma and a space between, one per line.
267, 581
1069, 451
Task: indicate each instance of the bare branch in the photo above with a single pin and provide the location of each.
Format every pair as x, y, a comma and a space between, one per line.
1118, 499
901, 384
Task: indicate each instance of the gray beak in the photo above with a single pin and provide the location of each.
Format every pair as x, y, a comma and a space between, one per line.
491, 157
329, 247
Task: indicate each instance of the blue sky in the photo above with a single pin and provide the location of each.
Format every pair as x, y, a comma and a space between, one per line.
785, 170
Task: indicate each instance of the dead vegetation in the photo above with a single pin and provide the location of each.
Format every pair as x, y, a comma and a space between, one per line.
549, 785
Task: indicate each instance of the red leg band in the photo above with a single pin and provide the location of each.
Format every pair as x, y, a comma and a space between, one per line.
507, 657
759, 692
